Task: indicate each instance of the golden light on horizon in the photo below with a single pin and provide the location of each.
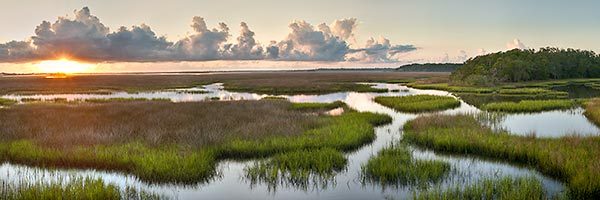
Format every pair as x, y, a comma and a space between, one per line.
63, 65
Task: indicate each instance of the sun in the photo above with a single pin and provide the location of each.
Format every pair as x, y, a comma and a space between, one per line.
63, 65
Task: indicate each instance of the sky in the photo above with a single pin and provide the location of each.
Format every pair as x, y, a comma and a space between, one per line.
187, 34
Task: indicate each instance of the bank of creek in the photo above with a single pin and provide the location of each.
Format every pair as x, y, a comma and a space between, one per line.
231, 182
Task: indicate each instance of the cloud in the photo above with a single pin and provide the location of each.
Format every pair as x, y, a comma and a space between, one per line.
481, 52
85, 37
380, 50
15, 51
515, 44
305, 43
138, 43
204, 43
246, 48
344, 28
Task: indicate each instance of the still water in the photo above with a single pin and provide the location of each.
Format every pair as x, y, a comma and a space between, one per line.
232, 184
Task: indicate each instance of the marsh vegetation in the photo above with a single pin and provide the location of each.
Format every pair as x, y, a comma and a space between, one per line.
530, 105
79, 188
273, 83
573, 159
419, 103
299, 169
526, 188
396, 165
163, 141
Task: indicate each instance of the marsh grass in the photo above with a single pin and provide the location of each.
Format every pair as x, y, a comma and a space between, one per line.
120, 99
79, 188
573, 159
7, 102
317, 89
530, 105
191, 91
530, 90
298, 169
449, 88
317, 106
348, 131
155, 123
396, 165
506, 188
592, 110
418, 103
163, 142
268, 82
274, 98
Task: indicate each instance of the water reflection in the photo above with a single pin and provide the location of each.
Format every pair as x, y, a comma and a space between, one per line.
231, 183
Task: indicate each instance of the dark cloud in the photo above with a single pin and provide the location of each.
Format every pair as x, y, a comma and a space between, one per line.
138, 43
85, 37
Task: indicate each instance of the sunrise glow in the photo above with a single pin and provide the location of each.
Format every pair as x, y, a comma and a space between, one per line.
63, 65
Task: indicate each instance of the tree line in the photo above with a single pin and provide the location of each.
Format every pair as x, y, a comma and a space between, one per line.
526, 65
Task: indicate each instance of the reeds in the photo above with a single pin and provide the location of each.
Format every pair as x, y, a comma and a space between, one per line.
506, 188
79, 188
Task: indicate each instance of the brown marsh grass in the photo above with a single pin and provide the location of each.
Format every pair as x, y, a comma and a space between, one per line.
277, 81
154, 122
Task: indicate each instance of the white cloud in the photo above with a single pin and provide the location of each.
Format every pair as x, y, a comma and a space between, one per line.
84, 36
515, 44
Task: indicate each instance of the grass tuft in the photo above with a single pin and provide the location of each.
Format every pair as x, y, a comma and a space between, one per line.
317, 106
395, 165
7, 102
419, 103
530, 105
298, 168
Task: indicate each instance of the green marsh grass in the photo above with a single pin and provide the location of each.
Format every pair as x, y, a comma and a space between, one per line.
348, 131
506, 188
419, 103
449, 88
532, 90
78, 188
124, 136
7, 102
396, 165
298, 168
530, 105
317, 106
274, 98
573, 159
120, 99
